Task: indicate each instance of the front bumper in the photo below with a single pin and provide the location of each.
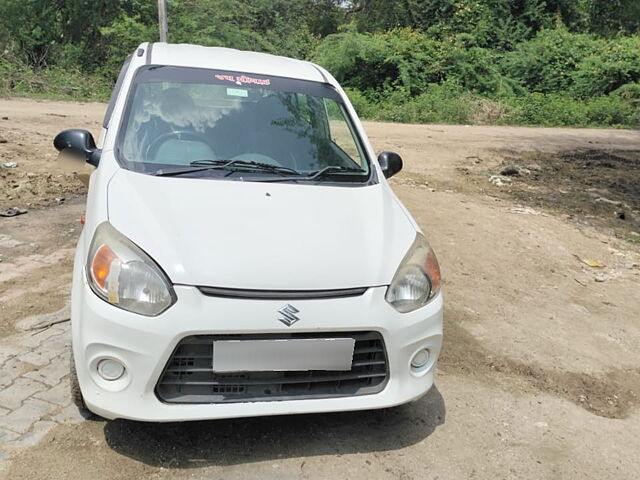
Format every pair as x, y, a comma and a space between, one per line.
145, 345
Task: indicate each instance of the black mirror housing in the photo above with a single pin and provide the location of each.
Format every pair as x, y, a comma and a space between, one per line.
390, 162
79, 143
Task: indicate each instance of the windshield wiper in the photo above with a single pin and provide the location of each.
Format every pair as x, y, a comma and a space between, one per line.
320, 173
236, 164
332, 169
180, 171
250, 164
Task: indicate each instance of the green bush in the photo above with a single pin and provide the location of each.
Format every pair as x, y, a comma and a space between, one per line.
548, 110
362, 105
548, 62
558, 61
446, 103
612, 111
616, 64
555, 110
123, 36
474, 68
411, 61
629, 92
399, 59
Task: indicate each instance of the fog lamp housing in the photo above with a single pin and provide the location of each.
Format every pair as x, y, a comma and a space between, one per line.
420, 359
110, 369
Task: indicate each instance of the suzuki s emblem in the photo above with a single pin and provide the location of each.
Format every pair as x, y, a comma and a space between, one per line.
288, 315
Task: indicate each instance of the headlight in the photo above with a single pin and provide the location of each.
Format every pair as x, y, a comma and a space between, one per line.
120, 273
417, 280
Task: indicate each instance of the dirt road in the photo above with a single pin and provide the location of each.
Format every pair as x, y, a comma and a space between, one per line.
540, 373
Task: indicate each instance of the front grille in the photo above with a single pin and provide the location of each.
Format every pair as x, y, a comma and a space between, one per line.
189, 376
281, 294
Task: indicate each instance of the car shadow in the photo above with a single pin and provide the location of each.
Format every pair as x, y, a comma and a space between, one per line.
236, 441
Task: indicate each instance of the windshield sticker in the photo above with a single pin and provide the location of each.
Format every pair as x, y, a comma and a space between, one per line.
237, 92
243, 79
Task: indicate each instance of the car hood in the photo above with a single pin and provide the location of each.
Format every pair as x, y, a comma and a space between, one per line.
272, 236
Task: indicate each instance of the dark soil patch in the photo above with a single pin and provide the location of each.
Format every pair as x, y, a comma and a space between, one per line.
601, 187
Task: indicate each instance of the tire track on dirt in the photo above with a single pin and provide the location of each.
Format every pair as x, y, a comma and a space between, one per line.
614, 394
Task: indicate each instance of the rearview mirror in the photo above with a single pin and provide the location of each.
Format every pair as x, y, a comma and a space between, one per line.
78, 143
390, 162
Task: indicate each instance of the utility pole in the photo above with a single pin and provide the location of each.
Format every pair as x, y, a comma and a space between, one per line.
162, 20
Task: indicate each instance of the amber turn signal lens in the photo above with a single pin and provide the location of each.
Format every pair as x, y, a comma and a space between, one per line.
433, 270
101, 266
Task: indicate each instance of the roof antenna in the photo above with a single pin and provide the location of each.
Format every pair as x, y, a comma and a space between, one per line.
162, 21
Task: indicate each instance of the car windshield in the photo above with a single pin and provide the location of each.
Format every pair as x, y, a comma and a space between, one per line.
242, 126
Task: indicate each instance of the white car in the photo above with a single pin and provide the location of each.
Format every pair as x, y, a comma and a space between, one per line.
243, 253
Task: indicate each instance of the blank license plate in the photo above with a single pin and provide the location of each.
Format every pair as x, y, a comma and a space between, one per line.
283, 355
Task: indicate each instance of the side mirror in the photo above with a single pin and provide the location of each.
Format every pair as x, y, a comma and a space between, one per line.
390, 162
78, 143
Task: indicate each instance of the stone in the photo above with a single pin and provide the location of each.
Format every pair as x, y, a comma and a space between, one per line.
499, 180
7, 436
21, 420
52, 373
44, 319
34, 340
57, 344
37, 433
22, 388
9, 351
69, 414
38, 357
10, 370
510, 171
58, 395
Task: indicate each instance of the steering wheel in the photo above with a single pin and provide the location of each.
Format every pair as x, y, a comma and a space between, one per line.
154, 146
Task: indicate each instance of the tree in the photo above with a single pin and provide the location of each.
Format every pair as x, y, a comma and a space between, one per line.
609, 17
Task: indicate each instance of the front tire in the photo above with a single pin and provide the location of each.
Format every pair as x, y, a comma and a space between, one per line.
76, 393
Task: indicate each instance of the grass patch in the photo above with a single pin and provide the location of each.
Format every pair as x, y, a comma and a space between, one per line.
452, 105
53, 83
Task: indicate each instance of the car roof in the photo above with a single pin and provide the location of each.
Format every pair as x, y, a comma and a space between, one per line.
230, 59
